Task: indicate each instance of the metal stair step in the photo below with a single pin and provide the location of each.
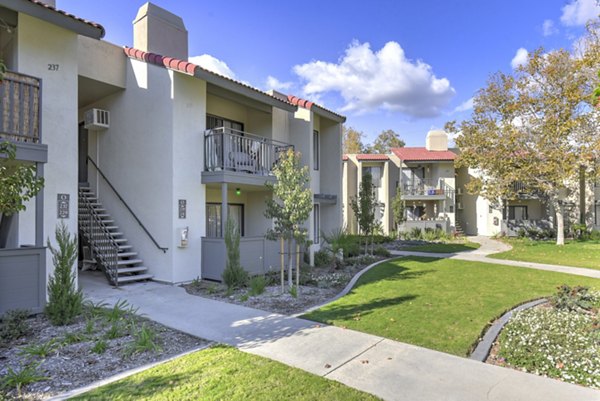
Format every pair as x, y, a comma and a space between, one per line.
137, 277
136, 269
120, 240
124, 247
127, 254
129, 262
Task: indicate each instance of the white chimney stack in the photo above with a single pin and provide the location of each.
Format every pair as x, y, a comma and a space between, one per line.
156, 30
436, 140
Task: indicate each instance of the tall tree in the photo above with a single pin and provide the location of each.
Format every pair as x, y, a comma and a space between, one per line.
399, 208
385, 141
364, 206
536, 127
352, 141
290, 206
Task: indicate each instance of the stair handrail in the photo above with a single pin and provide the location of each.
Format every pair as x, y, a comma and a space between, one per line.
102, 242
127, 206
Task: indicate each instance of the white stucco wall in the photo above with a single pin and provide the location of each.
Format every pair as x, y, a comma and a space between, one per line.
40, 44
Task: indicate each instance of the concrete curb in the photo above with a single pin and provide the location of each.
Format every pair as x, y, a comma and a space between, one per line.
484, 347
123, 375
346, 289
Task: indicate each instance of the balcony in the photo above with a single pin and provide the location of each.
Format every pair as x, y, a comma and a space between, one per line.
239, 157
426, 189
20, 108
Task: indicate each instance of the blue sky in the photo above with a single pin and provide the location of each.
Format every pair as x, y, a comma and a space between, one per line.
409, 66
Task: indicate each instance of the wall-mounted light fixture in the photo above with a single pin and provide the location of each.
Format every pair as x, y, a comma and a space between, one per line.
238, 191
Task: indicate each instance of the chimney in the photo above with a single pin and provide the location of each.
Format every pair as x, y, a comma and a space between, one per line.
436, 140
278, 95
156, 30
51, 3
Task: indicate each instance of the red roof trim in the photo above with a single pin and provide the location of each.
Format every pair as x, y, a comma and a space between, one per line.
372, 156
184, 67
90, 23
345, 157
307, 104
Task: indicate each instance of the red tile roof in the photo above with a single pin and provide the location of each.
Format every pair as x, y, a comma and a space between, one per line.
91, 23
371, 156
422, 154
345, 157
307, 104
185, 67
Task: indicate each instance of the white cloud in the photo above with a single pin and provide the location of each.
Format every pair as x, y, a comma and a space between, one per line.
464, 106
520, 58
213, 64
274, 83
548, 28
384, 79
578, 12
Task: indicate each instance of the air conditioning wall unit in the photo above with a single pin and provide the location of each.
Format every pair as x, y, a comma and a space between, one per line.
96, 119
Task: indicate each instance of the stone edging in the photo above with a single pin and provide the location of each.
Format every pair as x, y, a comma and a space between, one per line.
484, 347
122, 375
346, 289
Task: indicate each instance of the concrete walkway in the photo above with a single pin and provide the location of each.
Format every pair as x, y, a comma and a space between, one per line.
490, 246
388, 369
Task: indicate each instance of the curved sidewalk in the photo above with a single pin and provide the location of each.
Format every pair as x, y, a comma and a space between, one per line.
385, 368
490, 246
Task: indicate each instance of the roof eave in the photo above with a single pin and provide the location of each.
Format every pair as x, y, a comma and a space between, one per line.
328, 114
242, 90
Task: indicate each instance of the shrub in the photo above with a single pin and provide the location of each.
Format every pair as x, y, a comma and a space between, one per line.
65, 302
381, 251
15, 379
258, 285
429, 234
234, 275
323, 258
415, 233
144, 339
99, 347
574, 298
595, 235
14, 325
40, 350
340, 239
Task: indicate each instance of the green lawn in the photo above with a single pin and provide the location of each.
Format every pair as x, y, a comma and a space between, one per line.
224, 373
573, 253
441, 304
443, 247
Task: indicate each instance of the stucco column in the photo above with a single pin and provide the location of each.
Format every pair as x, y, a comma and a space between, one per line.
39, 209
223, 208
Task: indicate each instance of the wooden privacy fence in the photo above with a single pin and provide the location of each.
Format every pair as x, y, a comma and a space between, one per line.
20, 108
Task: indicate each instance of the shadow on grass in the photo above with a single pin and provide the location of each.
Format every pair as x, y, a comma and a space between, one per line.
355, 311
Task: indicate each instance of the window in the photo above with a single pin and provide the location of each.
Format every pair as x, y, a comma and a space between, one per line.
316, 224
315, 150
375, 172
218, 122
213, 218
517, 213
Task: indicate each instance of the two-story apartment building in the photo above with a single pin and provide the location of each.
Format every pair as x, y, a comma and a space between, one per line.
145, 154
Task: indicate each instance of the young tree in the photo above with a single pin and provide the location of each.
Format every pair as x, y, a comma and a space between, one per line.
234, 275
398, 207
535, 127
290, 207
385, 141
364, 206
18, 184
65, 301
352, 141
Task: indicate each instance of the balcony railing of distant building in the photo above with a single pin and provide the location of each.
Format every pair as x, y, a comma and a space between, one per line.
20, 105
233, 150
427, 187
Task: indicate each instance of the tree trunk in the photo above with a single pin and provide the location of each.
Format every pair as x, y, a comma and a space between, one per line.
297, 269
290, 262
560, 223
5, 225
282, 257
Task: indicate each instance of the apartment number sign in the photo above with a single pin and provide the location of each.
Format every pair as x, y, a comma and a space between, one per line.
182, 208
62, 206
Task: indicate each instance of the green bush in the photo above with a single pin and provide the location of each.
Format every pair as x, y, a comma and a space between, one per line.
340, 239
323, 258
574, 298
258, 285
14, 325
15, 379
65, 301
145, 339
381, 251
234, 275
415, 233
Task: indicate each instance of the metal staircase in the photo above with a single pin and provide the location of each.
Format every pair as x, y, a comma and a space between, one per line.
110, 249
